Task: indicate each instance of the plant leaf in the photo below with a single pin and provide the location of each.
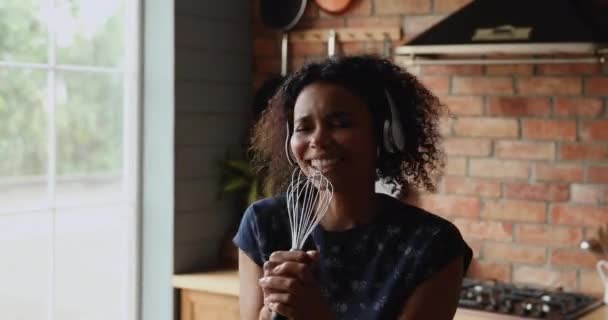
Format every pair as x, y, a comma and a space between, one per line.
253, 193
235, 184
240, 166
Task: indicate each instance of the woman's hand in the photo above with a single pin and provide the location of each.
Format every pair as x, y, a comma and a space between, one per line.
290, 288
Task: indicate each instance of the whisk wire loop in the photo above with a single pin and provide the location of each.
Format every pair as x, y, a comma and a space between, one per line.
308, 198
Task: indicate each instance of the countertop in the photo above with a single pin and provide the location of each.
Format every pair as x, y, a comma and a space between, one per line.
465, 314
227, 283
222, 282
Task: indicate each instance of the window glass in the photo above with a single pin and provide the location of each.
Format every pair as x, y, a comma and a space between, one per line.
90, 32
23, 30
23, 138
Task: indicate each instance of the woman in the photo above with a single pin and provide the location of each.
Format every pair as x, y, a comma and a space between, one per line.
355, 119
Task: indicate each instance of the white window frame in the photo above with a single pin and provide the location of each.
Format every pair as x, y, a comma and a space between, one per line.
131, 106
132, 140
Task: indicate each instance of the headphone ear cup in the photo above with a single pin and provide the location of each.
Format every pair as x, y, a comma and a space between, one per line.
397, 134
387, 139
394, 141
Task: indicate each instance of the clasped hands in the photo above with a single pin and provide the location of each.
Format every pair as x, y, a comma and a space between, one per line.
290, 287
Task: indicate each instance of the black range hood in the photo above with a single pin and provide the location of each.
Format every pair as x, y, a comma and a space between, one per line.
551, 31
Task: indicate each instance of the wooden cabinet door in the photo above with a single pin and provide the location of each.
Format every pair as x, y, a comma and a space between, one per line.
200, 305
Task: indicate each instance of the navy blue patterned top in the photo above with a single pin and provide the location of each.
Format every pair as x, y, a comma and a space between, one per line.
366, 272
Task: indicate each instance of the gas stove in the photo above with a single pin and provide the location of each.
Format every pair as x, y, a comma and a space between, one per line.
524, 302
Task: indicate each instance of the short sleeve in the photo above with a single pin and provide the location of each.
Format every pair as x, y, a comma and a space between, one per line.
446, 245
247, 237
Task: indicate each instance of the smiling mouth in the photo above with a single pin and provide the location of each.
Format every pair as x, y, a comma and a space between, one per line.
324, 165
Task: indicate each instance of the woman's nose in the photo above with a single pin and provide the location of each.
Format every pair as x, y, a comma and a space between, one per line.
320, 138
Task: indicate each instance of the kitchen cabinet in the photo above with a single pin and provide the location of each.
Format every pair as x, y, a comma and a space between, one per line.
214, 296
202, 305
208, 296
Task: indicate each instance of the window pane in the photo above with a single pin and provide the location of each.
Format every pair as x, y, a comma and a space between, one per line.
90, 32
23, 138
23, 32
93, 263
25, 271
89, 121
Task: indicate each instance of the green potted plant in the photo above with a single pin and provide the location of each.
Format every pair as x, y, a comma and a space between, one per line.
238, 176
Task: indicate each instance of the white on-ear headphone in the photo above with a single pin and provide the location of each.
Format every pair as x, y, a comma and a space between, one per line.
393, 139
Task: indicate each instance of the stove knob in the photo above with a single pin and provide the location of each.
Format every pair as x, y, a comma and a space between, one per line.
478, 299
536, 311
519, 309
506, 306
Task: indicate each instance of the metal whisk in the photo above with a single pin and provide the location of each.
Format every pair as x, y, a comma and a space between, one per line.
308, 198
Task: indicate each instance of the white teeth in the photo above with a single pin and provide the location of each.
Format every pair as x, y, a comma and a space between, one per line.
321, 163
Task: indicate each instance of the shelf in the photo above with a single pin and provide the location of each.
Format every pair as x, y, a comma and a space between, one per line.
346, 34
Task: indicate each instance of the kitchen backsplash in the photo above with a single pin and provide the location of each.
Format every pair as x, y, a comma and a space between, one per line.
527, 146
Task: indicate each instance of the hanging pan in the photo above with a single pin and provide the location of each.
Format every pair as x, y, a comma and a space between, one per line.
281, 15
333, 6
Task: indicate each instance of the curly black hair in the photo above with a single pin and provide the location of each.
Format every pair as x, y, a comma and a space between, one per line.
368, 77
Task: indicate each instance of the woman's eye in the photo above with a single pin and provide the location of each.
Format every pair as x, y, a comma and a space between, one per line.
341, 123
301, 129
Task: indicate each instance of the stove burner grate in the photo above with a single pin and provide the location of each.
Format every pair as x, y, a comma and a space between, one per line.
524, 301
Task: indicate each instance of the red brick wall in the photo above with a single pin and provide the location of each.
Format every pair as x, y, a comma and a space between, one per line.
527, 172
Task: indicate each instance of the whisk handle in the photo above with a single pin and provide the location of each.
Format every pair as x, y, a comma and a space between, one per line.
278, 316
